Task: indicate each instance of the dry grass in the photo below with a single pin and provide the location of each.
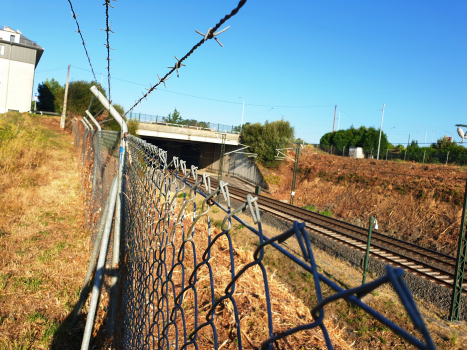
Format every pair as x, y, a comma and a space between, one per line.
250, 297
418, 203
355, 326
43, 248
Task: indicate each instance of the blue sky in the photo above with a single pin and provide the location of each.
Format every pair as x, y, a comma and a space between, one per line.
300, 57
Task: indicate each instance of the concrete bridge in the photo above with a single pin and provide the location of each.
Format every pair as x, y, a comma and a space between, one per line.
185, 133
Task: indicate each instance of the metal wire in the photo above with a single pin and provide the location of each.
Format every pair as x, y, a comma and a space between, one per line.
82, 39
167, 258
179, 62
99, 154
170, 293
108, 31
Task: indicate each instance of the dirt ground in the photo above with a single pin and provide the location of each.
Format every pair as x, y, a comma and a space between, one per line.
415, 202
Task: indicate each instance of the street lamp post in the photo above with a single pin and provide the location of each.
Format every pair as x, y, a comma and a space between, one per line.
380, 131
267, 118
243, 111
426, 132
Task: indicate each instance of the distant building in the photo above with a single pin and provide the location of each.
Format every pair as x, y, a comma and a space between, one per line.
19, 57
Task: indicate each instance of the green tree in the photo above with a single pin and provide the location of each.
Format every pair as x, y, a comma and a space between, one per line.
119, 108
265, 139
367, 138
111, 123
174, 118
443, 143
79, 97
47, 93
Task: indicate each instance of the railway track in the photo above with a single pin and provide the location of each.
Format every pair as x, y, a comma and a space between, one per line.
424, 262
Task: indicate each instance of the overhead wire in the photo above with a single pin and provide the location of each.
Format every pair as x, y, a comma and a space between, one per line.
82, 39
209, 35
108, 31
211, 99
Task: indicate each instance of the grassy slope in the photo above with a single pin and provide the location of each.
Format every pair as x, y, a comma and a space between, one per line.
43, 247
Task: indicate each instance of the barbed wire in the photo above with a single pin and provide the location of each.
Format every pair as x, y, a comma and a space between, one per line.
108, 31
211, 34
82, 39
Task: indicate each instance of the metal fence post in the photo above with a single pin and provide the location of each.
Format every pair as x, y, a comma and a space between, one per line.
460, 265
221, 159
96, 289
447, 158
331, 150
367, 254
387, 153
292, 194
424, 152
118, 209
405, 154
343, 151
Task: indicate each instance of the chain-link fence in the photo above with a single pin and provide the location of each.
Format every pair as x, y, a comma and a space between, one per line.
183, 281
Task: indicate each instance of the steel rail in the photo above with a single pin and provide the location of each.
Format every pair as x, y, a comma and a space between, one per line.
337, 233
330, 222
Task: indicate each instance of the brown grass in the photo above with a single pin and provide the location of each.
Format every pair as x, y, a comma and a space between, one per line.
43, 248
418, 203
355, 326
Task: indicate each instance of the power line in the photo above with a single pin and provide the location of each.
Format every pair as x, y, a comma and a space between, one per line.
350, 117
212, 99
211, 34
82, 39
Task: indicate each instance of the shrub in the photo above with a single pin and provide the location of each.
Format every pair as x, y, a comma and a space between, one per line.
265, 139
310, 207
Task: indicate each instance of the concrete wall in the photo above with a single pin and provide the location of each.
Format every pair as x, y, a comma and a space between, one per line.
16, 83
185, 134
206, 156
5, 35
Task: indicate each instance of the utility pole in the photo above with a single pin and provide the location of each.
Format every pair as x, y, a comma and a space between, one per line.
221, 159
380, 131
334, 122
62, 120
243, 111
292, 194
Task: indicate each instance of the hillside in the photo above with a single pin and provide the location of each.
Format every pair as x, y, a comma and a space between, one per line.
415, 202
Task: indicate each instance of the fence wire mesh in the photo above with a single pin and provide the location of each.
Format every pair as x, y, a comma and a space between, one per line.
98, 152
184, 282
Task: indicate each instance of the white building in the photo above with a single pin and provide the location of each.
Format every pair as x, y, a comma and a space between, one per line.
19, 57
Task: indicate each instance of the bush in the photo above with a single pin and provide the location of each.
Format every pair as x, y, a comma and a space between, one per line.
265, 139
79, 97
133, 127
367, 138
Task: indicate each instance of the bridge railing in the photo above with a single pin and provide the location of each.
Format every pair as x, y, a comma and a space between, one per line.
187, 123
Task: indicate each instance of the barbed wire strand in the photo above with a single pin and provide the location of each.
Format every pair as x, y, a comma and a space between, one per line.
108, 31
82, 39
201, 42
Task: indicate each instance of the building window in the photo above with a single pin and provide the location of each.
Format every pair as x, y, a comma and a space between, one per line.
12, 38
2, 50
